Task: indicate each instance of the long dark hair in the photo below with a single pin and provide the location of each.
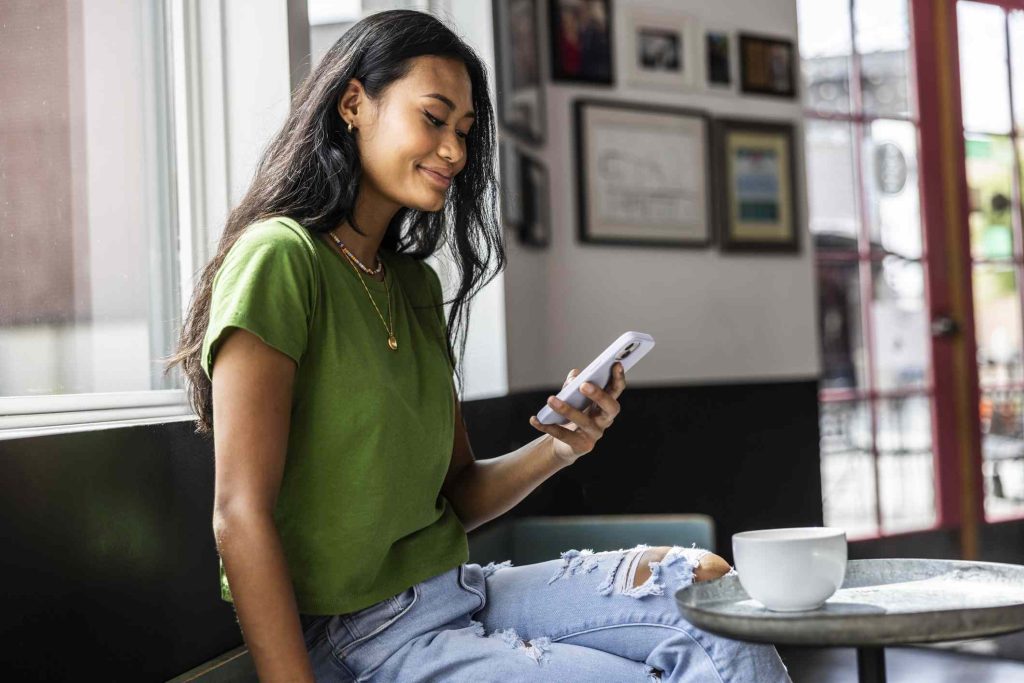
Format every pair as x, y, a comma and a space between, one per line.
310, 171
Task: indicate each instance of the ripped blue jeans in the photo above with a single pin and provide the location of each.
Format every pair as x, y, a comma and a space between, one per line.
578, 618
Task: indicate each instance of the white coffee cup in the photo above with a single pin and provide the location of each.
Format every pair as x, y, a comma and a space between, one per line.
791, 570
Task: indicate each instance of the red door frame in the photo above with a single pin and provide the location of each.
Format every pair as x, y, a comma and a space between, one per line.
956, 427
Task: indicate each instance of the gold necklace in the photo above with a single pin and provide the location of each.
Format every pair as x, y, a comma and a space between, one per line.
392, 342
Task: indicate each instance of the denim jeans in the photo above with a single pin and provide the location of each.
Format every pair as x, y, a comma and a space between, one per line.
577, 618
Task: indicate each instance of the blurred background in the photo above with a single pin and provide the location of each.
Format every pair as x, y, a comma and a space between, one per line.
863, 370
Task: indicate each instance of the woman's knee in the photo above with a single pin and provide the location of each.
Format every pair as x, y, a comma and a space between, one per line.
710, 566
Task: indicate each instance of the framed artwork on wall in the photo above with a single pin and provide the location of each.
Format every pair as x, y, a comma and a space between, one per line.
535, 229
581, 41
718, 57
756, 182
767, 66
521, 106
642, 174
660, 49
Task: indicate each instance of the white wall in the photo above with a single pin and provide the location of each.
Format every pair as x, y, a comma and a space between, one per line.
714, 317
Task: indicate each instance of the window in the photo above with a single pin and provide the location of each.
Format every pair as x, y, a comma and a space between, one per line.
90, 297
861, 142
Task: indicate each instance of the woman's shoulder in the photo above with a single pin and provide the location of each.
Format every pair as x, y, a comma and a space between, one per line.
278, 230
277, 236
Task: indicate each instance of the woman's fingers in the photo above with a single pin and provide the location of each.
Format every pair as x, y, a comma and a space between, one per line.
575, 438
564, 409
607, 403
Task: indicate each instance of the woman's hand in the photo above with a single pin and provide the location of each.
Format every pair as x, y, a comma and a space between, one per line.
585, 427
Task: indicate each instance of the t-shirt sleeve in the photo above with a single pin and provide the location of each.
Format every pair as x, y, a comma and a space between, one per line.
266, 285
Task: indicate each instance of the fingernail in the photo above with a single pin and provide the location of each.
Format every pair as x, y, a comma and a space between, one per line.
587, 388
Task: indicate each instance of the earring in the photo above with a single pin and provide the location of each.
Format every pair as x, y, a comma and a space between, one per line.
349, 126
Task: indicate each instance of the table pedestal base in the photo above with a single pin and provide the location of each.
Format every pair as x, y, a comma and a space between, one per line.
871, 664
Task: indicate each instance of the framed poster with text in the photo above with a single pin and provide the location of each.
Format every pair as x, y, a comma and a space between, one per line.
756, 186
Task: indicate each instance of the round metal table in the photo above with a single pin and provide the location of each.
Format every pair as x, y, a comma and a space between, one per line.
881, 602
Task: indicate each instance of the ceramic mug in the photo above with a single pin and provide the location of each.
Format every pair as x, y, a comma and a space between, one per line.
791, 570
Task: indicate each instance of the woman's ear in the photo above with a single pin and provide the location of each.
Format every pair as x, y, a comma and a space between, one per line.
350, 100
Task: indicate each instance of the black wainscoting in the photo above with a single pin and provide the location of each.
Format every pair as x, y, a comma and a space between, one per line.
110, 567
746, 454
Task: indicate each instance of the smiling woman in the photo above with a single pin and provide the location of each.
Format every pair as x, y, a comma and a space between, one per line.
318, 350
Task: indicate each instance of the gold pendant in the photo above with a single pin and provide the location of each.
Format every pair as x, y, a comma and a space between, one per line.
393, 343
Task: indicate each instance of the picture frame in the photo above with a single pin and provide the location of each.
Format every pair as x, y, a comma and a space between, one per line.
511, 184
767, 65
535, 227
583, 54
643, 174
718, 59
661, 49
520, 94
755, 167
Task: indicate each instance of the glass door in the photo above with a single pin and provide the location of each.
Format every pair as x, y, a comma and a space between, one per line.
990, 37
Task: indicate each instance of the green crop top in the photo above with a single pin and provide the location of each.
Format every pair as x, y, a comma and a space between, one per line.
360, 510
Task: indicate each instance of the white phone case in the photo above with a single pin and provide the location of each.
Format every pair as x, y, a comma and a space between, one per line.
628, 348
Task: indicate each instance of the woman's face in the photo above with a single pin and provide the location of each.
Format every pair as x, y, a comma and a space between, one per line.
398, 140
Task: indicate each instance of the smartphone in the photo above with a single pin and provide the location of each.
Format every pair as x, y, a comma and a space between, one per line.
627, 349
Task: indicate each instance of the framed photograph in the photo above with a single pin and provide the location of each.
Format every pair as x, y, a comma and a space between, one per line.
757, 181
517, 53
718, 57
511, 188
642, 174
660, 49
581, 40
767, 66
535, 229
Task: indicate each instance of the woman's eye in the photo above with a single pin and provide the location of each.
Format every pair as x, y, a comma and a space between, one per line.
439, 124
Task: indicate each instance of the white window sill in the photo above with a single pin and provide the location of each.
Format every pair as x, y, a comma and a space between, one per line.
28, 416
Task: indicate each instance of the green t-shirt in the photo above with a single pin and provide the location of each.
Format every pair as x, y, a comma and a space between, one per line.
360, 510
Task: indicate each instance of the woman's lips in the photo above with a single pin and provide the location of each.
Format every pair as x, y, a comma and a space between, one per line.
437, 178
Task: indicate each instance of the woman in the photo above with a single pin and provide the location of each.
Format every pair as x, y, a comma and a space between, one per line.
347, 559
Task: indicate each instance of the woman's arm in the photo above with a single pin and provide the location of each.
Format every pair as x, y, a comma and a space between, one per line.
252, 394
481, 490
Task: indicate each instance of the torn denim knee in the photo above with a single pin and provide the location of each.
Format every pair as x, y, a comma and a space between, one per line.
681, 562
535, 648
